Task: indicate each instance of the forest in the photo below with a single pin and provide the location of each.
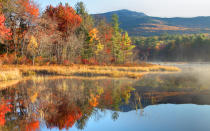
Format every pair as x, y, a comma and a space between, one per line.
187, 47
66, 35
61, 35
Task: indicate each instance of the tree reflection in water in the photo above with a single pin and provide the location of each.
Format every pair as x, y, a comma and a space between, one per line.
5, 107
60, 103
63, 103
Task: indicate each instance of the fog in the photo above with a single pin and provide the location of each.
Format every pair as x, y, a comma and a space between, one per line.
199, 71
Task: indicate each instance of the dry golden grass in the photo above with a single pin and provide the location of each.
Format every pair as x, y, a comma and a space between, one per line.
151, 68
8, 72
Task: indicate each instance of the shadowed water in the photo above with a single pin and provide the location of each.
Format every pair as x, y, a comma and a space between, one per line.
157, 102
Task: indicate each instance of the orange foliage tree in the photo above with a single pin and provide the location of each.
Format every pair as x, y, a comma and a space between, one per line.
29, 8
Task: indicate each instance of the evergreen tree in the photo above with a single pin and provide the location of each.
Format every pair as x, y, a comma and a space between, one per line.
116, 40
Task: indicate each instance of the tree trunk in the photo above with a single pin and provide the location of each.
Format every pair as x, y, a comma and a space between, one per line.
33, 60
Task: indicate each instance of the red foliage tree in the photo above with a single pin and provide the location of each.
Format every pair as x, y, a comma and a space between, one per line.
65, 16
4, 31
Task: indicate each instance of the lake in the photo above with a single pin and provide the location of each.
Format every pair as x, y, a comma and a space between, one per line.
156, 102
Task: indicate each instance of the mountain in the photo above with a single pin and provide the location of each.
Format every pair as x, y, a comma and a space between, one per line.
140, 24
124, 13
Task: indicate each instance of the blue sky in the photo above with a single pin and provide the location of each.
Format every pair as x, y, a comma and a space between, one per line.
161, 8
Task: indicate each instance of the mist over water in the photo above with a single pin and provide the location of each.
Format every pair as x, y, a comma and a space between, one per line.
200, 71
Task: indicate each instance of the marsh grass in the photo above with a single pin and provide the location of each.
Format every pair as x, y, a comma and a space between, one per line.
11, 72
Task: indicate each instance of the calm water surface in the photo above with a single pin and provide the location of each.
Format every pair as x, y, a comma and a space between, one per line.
157, 102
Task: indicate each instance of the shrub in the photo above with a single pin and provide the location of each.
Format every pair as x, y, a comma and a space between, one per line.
8, 58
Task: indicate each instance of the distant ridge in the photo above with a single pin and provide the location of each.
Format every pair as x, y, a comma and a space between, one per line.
124, 12
140, 24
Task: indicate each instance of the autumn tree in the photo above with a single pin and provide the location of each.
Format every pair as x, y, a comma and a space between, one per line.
32, 47
96, 45
83, 31
66, 18
61, 35
21, 15
4, 31
127, 48
121, 43
67, 22
46, 35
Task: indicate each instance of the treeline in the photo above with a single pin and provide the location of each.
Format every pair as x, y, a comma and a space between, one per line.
59, 35
166, 47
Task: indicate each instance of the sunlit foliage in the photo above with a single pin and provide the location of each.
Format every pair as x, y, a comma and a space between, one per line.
65, 16
60, 35
4, 31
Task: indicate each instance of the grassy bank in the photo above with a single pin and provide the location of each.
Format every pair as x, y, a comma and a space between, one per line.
11, 72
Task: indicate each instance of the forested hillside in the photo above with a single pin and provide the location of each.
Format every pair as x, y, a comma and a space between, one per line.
139, 24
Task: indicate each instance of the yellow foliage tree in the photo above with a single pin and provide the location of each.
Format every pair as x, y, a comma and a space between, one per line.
32, 47
97, 45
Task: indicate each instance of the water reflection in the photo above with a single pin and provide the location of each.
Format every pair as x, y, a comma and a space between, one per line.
61, 103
